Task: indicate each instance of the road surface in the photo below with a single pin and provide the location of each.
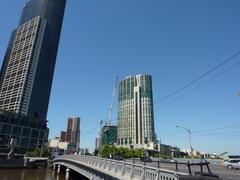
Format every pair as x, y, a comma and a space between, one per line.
219, 170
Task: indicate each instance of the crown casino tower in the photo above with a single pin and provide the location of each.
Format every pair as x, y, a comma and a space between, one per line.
27, 73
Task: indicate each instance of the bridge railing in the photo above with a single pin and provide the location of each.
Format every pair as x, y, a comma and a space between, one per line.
120, 169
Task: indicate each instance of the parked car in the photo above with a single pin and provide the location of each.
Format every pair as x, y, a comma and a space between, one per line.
117, 157
145, 159
233, 164
167, 160
225, 161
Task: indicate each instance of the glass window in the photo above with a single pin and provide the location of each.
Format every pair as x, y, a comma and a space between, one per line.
6, 129
33, 143
26, 132
4, 140
24, 141
16, 131
34, 133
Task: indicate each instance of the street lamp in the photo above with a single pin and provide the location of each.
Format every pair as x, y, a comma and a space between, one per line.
189, 134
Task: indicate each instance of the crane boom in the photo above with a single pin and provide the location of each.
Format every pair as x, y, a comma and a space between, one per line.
109, 119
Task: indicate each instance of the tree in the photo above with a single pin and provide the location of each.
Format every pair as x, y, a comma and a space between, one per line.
38, 152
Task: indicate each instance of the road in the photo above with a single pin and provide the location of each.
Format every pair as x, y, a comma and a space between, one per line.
219, 170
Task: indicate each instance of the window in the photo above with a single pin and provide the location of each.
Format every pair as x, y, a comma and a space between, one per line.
26, 132
6, 129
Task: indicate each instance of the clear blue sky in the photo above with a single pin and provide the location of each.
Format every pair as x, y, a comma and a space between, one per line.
174, 41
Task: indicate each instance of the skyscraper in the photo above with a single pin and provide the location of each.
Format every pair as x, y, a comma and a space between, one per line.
73, 131
135, 112
27, 71
26, 75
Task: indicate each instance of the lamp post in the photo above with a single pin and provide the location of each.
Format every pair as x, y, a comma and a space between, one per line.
190, 140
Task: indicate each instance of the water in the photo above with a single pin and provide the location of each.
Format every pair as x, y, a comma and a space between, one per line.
30, 174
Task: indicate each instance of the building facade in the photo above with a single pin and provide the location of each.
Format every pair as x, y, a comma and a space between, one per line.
73, 131
28, 66
63, 136
27, 72
28, 133
135, 112
109, 135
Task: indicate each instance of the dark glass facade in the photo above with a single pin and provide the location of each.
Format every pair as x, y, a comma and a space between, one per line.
27, 132
30, 129
109, 135
52, 12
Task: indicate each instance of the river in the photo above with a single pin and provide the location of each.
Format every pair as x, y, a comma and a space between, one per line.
30, 174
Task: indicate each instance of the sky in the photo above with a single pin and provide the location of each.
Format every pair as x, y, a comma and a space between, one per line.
174, 41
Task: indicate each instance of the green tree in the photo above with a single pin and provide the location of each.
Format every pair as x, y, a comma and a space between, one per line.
38, 152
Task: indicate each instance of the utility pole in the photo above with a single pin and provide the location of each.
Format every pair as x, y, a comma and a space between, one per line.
190, 139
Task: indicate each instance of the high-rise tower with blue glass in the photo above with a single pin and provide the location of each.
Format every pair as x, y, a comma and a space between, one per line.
27, 70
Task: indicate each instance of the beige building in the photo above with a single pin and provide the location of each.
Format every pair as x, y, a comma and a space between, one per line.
135, 113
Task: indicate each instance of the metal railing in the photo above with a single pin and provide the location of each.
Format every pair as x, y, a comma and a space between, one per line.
120, 169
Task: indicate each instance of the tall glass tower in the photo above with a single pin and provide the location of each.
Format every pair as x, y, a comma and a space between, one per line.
135, 112
27, 73
28, 66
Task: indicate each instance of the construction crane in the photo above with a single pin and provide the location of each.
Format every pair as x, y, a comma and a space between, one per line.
109, 119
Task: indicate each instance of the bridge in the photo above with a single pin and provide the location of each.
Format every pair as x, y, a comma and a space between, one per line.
97, 168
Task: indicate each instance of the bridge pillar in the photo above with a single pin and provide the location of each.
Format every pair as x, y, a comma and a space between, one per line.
59, 169
54, 167
67, 173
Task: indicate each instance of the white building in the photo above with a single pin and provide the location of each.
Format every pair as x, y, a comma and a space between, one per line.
57, 147
135, 113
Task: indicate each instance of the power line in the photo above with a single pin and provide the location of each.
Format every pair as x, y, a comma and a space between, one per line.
214, 129
202, 84
202, 132
198, 78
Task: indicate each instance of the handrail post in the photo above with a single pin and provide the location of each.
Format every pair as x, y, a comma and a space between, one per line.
158, 175
143, 173
132, 171
116, 166
123, 168
109, 167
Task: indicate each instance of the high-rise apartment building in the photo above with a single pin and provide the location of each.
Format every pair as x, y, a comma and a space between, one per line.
26, 75
27, 71
73, 131
135, 113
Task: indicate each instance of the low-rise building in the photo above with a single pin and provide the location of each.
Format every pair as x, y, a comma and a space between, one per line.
57, 147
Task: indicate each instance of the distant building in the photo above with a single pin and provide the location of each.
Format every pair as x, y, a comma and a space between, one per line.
73, 130
135, 113
165, 150
97, 143
72, 135
57, 147
63, 135
83, 151
108, 135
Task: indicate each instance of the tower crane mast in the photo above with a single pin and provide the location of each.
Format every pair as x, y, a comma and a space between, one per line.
109, 119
